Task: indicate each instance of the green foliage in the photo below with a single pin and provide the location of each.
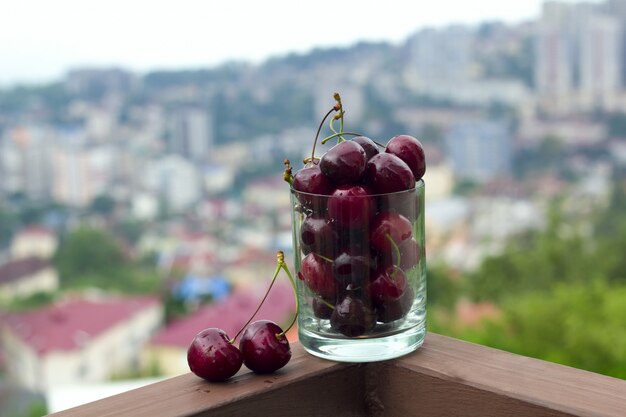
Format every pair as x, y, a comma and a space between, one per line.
33, 301
443, 289
103, 205
89, 257
580, 325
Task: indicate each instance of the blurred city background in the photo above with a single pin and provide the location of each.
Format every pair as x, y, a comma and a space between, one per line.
139, 207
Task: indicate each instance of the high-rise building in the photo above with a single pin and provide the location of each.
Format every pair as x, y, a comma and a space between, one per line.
579, 56
25, 154
441, 56
81, 174
191, 134
479, 149
600, 57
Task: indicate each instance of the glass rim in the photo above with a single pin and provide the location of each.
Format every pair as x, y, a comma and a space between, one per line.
419, 184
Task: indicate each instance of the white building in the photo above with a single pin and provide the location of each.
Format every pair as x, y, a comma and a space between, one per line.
174, 179
78, 341
191, 133
36, 241
81, 174
579, 57
25, 154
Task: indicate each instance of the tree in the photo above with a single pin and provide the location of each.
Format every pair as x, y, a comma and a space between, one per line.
90, 257
580, 325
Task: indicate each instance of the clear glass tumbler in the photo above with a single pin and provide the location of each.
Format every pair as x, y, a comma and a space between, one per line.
361, 274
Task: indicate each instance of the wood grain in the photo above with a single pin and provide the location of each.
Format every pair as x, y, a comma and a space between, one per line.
445, 377
188, 395
459, 374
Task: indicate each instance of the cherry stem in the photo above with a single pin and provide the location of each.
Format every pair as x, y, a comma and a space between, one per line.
325, 302
327, 138
380, 145
339, 115
284, 267
319, 130
287, 175
280, 261
325, 258
396, 251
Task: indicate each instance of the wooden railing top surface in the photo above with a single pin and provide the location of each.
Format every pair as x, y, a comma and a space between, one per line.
445, 376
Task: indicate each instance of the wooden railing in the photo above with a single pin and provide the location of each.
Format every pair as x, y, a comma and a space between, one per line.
445, 377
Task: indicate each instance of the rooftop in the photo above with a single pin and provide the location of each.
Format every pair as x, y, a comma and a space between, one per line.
14, 270
68, 325
229, 314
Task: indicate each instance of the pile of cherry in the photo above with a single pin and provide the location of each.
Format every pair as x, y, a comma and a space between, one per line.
357, 207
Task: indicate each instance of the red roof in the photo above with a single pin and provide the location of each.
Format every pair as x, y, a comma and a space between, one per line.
230, 315
70, 324
36, 230
15, 270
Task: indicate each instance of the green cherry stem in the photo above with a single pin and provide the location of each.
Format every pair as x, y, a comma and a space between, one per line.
280, 261
334, 135
285, 268
329, 305
396, 251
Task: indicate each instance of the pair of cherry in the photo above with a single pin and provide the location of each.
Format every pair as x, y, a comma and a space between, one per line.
263, 346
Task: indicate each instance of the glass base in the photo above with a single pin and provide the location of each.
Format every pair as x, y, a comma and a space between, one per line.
363, 349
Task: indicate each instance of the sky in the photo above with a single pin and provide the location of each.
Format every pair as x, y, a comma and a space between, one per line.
41, 39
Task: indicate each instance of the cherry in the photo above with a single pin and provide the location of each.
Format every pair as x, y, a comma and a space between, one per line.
264, 347
344, 163
321, 308
317, 235
409, 252
212, 356
389, 229
369, 146
349, 268
351, 206
388, 284
410, 150
351, 317
310, 180
316, 273
396, 308
386, 173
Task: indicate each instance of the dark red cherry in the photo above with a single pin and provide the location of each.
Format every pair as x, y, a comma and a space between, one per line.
352, 317
264, 348
410, 253
351, 268
386, 173
321, 309
411, 151
316, 272
310, 180
211, 356
396, 308
368, 145
351, 206
388, 285
386, 226
344, 163
317, 235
